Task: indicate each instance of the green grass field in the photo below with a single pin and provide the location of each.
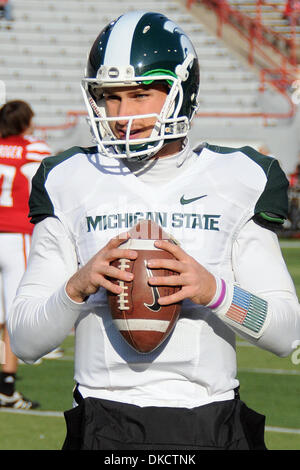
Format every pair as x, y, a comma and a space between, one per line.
269, 384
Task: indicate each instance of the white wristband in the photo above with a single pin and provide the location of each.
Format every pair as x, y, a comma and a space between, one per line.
220, 294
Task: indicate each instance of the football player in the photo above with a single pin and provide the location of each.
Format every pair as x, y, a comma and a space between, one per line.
20, 156
221, 204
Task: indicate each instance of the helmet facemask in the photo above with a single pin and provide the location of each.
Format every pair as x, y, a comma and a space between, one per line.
169, 125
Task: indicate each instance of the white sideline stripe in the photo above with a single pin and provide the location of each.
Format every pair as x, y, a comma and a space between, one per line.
59, 414
262, 370
270, 371
64, 358
289, 244
283, 430
142, 325
245, 344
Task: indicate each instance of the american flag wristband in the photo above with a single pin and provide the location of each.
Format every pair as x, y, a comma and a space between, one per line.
247, 311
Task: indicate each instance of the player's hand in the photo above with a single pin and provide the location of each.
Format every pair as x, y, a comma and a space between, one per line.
88, 279
197, 284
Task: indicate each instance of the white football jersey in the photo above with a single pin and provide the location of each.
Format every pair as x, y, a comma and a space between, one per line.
88, 199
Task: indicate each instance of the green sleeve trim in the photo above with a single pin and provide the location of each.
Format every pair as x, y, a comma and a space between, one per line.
271, 218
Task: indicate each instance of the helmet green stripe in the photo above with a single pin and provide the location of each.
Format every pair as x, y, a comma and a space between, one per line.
159, 72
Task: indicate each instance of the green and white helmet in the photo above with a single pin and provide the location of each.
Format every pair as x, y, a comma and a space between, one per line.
141, 48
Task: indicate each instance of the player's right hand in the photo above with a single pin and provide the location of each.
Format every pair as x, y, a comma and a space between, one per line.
95, 273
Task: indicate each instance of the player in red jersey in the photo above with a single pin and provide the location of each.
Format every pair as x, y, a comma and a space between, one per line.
20, 156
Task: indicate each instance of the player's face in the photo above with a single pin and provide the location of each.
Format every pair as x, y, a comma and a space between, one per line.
130, 101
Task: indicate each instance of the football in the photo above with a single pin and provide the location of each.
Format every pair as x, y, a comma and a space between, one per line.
136, 313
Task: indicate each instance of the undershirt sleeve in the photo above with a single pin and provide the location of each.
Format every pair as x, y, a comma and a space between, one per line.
261, 275
42, 314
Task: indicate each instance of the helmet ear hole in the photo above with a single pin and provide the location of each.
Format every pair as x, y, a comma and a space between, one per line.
96, 92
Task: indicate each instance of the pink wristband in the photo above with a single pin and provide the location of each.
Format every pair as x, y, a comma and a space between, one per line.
221, 297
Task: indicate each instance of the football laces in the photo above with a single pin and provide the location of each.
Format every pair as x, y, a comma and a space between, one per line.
123, 296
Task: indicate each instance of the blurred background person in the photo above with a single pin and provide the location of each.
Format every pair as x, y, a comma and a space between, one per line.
294, 201
292, 11
294, 178
6, 9
20, 156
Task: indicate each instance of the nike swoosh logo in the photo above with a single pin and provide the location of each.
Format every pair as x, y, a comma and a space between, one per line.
188, 201
154, 307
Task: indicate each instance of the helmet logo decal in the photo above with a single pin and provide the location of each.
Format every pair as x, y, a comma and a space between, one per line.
184, 40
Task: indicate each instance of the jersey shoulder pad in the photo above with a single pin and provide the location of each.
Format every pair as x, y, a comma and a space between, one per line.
40, 204
271, 208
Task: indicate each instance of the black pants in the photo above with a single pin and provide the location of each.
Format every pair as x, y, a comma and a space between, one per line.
97, 424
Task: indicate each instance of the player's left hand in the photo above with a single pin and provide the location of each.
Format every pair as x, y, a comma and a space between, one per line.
197, 284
